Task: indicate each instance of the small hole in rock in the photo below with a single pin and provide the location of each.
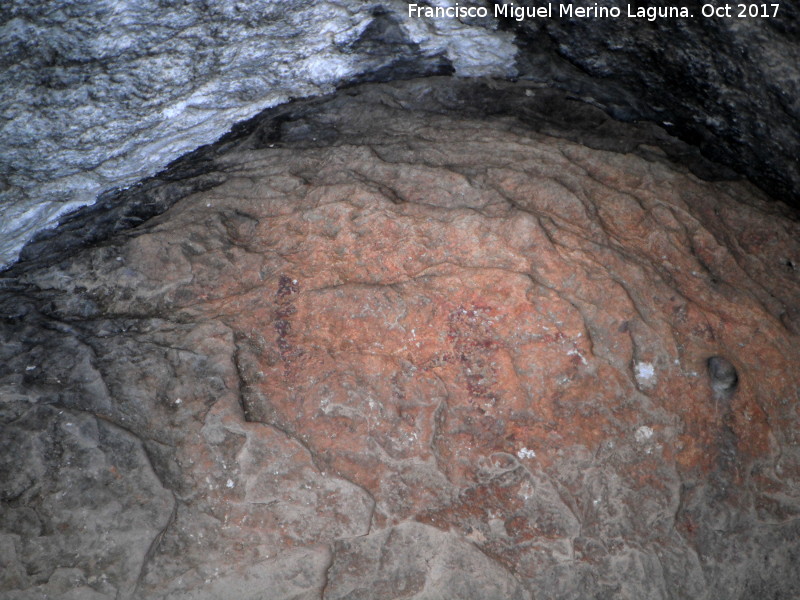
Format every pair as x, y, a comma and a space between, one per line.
724, 377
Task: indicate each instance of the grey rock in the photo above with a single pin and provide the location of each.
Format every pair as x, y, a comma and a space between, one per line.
420, 562
298, 575
83, 506
99, 95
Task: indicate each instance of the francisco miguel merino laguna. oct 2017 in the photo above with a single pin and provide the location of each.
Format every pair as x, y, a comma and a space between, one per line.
595, 11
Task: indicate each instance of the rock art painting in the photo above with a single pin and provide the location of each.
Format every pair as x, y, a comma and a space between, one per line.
402, 351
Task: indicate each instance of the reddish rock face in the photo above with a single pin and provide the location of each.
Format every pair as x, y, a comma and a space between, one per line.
545, 369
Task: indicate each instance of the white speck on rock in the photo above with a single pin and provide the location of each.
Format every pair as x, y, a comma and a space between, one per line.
645, 373
229, 483
526, 453
643, 434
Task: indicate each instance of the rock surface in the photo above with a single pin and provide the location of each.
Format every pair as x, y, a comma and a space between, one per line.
98, 95
401, 351
729, 85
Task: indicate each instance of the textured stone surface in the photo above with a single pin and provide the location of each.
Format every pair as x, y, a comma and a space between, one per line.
728, 85
416, 561
399, 352
79, 496
97, 95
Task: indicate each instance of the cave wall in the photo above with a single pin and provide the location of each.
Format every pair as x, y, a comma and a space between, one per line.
525, 329
98, 95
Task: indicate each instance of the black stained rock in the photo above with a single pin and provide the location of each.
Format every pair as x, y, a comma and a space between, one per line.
728, 85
